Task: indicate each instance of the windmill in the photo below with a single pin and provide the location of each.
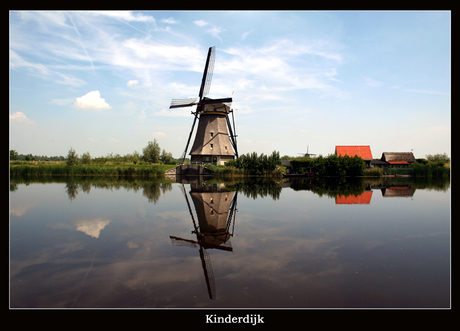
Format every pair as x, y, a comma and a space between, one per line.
216, 211
213, 143
307, 154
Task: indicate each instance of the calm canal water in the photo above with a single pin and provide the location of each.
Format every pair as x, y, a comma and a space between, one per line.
117, 243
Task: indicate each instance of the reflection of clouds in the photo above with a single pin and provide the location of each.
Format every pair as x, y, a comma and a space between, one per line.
19, 211
92, 228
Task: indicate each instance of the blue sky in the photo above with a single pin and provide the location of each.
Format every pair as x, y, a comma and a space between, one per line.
103, 81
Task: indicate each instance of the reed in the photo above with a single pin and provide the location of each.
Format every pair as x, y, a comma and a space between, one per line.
59, 169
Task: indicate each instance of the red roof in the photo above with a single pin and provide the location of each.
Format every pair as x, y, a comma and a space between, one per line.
363, 152
398, 162
363, 199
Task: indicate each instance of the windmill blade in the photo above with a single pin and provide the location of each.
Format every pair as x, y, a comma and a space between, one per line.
208, 273
206, 101
207, 74
176, 241
180, 103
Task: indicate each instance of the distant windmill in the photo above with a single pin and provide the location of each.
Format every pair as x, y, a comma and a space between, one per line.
307, 154
213, 143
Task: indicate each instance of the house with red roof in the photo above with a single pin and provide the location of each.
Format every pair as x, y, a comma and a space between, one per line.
363, 152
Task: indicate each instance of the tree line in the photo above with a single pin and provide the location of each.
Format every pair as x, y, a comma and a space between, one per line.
332, 165
152, 153
254, 164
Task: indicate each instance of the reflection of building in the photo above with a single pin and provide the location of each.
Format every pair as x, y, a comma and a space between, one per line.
215, 208
398, 192
362, 199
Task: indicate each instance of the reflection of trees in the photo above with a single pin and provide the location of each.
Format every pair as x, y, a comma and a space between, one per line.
72, 190
346, 186
257, 186
153, 191
152, 188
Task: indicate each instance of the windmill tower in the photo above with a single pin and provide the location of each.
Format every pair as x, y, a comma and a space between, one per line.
213, 143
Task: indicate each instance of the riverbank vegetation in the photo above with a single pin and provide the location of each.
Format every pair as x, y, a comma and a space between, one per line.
152, 162
345, 166
252, 164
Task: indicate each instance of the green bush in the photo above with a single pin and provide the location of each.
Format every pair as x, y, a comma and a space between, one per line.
253, 164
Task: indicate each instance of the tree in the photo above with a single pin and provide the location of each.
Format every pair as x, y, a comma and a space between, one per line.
86, 158
166, 157
152, 152
13, 154
438, 157
72, 157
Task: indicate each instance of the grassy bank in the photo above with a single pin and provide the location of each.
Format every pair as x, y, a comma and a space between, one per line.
18, 168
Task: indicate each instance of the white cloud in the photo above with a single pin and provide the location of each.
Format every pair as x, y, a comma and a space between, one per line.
20, 118
113, 140
215, 31
159, 135
200, 22
91, 100
42, 71
124, 15
169, 20
133, 82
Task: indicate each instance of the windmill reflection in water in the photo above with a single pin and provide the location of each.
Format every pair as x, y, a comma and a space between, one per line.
215, 208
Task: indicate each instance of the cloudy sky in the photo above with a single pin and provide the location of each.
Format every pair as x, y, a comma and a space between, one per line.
103, 81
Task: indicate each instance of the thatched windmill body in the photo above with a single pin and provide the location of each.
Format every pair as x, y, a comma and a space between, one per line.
215, 139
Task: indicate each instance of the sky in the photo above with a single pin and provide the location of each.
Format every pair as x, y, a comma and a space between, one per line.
102, 81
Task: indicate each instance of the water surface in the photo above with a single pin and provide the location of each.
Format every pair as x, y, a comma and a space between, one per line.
144, 243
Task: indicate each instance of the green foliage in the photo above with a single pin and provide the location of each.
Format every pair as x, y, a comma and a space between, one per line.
332, 165
13, 155
430, 169
86, 158
254, 164
57, 169
152, 152
166, 157
444, 158
72, 157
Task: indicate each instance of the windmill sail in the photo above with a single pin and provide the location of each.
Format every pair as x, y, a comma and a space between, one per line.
207, 74
180, 103
213, 143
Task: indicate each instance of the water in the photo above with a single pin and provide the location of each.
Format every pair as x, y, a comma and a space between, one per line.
145, 244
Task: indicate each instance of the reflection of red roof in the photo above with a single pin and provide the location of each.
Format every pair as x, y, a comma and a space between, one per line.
363, 199
363, 152
398, 162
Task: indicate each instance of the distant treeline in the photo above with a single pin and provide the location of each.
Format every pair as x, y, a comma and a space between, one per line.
152, 153
346, 166
332, 165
